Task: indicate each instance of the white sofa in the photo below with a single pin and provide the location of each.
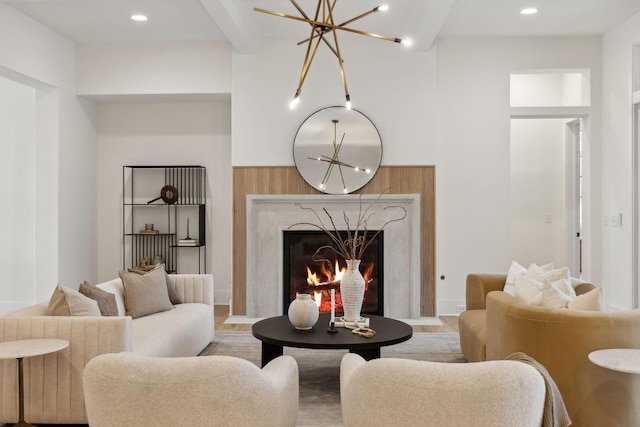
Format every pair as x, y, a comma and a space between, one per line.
53, 383
405, 393
127, 389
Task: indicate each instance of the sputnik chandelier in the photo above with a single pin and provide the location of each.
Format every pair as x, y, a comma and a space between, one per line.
322, 27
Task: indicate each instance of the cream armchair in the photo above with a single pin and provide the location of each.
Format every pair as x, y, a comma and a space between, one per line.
397, 392
127, 389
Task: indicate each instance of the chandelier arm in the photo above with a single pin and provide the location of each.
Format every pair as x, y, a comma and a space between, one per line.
307, 63
331, 26
344, 186
374, 10
342, 73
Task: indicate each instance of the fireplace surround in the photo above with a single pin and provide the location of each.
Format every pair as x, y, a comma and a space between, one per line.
267, 217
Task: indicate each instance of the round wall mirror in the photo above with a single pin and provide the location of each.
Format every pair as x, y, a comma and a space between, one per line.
337, 151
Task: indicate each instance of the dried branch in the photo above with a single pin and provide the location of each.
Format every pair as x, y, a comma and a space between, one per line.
357, 241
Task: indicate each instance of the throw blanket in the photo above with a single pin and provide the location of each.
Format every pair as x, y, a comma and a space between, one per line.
555, 413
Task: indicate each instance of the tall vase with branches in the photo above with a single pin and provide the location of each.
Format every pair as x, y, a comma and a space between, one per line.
351, 248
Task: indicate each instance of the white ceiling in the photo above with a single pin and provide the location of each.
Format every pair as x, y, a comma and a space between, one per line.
107, 21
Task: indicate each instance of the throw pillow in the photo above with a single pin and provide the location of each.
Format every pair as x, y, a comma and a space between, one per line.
592, 301
173, 295
561, 279
552, 297
515, 269
106, 300
529, 290
145, 293
68, 302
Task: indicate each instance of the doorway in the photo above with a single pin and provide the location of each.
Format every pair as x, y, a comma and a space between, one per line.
546, 191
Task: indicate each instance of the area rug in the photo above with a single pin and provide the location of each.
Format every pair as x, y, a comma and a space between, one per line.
319, 370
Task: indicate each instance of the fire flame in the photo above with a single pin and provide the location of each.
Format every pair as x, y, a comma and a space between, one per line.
328, 280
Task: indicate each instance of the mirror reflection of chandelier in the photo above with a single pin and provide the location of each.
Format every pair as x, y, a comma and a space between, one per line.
324, 29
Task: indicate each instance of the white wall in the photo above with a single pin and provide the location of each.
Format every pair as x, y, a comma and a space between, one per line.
617, 157
166, 133
473, 185
64, 158
394, 87
17, 173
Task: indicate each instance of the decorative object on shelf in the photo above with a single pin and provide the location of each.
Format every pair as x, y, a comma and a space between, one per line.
168, 194
144, 265
303, 312
352, 291
323, 24
337, 151
188, 241
148, 229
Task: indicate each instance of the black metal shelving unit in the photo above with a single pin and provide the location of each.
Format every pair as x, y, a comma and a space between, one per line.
141, 205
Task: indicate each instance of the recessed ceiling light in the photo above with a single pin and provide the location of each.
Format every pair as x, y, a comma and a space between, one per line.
529, 11
139, 18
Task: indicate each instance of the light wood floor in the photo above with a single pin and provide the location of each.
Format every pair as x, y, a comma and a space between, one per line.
449, 323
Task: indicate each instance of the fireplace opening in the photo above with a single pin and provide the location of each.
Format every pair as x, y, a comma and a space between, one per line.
303, 274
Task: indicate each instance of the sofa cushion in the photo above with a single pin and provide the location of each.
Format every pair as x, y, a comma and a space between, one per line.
106, 300
183, 331
68, 302
145, 294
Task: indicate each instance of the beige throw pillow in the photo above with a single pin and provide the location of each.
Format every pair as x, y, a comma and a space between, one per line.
592, 301
68, 302
106, 300
145, 293
173, 295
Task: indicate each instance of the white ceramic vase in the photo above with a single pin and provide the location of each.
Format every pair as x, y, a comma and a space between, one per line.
303, 312
352, 291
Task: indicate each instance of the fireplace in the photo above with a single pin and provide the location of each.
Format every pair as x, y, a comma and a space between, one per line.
269, 216
317, 277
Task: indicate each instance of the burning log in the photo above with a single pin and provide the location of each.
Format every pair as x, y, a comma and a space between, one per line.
319, 288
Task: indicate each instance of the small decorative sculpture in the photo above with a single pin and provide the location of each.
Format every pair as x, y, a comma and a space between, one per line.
144, 265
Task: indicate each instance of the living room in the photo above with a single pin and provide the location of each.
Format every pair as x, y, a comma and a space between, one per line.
79, 111
123, 116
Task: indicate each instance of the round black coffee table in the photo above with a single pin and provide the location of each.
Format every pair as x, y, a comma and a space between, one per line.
277, 332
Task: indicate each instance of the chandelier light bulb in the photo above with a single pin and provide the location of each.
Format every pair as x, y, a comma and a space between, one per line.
295, 101
382, 8
529, 11
407, 42
139, 18
348, 104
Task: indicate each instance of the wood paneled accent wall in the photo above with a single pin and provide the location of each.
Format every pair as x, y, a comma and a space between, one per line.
286, 180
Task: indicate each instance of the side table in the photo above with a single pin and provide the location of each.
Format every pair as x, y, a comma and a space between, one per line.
28, 348
617, 359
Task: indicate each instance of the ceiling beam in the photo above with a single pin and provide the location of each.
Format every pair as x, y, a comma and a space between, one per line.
226, 16
432, 17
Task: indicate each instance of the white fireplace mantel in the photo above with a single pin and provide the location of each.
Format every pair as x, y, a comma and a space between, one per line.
269, 215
